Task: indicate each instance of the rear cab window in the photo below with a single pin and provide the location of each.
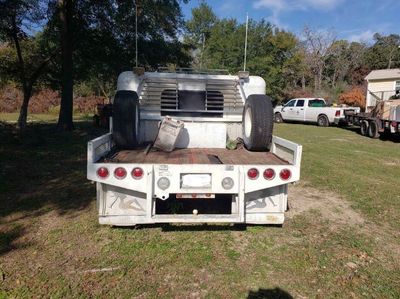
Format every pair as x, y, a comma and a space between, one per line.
300, 103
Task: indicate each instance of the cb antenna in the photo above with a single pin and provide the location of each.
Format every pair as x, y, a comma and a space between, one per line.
136, 33
245, 42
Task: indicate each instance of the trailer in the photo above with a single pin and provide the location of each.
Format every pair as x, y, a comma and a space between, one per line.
200, 181
383, 119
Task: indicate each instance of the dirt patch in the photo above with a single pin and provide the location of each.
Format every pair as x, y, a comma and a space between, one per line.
331, 206
339, 213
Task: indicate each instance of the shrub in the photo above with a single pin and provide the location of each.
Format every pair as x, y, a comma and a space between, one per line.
353, 97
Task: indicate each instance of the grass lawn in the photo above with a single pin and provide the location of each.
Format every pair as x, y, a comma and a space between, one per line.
346, 245
40, 118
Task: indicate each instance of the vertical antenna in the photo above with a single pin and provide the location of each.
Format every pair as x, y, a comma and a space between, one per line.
136, 34
245, 42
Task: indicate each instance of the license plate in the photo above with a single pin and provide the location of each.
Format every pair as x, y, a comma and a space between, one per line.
195, 180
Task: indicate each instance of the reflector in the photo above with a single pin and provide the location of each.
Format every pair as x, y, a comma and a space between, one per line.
285, 174
137, 173
252, 173
269, 174
102, 172
120, 173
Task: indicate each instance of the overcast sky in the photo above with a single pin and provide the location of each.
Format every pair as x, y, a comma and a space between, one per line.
355, 20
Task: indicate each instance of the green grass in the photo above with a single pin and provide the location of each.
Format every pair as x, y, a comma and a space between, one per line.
49, 236
365, 171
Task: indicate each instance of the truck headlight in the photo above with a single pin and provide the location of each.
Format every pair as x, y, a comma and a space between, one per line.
163, 183
227, 183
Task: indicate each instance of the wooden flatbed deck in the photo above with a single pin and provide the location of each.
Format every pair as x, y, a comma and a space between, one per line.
196, 156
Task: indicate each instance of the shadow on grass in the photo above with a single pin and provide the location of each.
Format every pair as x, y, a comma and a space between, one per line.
276, 293
8, 237
43, 169
197, 227
395, 138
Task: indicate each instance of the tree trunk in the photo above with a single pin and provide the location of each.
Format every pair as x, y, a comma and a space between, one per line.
315, 82
303, 83
23, 112
65, 121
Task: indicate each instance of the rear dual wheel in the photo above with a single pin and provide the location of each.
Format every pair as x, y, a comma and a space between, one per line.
364, 128
373, 130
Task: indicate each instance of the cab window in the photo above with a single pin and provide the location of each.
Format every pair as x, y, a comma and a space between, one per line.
300, 103
316, 103
290, 103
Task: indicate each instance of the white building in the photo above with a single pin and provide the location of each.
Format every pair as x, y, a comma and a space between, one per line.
382, 84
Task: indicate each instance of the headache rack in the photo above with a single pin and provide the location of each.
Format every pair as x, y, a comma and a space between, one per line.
203, 97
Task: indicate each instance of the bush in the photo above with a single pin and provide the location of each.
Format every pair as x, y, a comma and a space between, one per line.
45, 101
353, 97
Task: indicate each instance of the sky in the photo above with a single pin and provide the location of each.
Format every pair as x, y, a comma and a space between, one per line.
355, 20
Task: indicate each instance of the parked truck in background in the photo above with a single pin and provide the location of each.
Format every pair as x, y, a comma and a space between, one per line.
200, 181
314, 110
383, 118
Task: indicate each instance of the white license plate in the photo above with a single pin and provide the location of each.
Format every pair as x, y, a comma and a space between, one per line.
195, 180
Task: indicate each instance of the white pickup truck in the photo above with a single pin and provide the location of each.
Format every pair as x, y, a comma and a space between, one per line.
201, 180
312, 110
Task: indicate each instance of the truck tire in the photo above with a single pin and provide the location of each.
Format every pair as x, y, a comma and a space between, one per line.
323, 121
257, 122
364, 128
278, 118
373, 130
125, 119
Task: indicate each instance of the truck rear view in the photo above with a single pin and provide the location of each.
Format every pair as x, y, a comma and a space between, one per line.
201, 180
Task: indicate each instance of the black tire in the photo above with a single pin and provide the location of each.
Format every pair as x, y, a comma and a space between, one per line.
257, 122
323, 121
278, 118
126, 119
364, 128
373, 130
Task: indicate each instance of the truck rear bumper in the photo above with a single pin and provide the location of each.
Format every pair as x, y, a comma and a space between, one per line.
340, 121
122, 207
129, 201
260, 218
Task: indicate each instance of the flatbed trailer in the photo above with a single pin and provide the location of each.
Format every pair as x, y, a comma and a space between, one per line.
372, 126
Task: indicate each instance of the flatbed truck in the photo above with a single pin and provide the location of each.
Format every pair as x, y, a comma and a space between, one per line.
201, 181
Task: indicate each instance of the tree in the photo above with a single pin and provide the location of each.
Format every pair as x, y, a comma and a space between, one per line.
318, 46
343, 58
16, 19
98, 41
198, 30
66, 12
385, 52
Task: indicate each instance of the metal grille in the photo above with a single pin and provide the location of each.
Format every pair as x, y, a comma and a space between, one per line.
221, 96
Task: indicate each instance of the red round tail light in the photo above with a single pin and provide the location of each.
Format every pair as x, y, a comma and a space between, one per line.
120, 173
269, 174
102, 172
137, 173
393, 124
252, 173
285, 174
